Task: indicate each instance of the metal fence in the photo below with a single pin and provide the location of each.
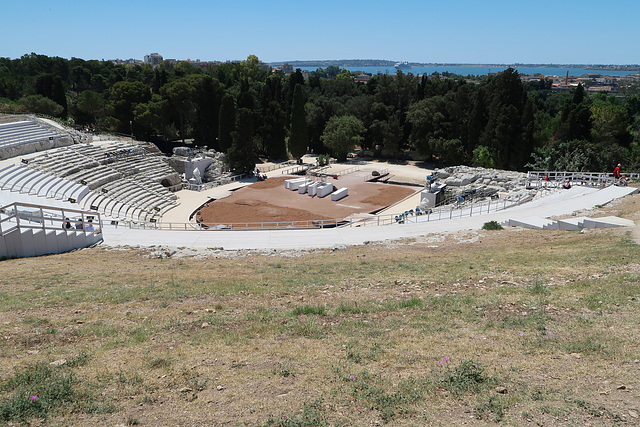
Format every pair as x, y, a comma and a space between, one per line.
265, 169
216, 183
297, 169
20, 215
412, 216
554, 179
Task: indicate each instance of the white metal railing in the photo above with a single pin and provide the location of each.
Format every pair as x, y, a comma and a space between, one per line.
423, 215
297, 169
345, 171
326, 171
554, 179
47, 218
317, 170
264, 169
216, 183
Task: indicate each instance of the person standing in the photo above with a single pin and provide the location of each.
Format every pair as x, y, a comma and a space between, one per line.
616, 173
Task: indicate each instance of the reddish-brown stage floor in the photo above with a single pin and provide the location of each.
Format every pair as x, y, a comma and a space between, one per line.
269, 201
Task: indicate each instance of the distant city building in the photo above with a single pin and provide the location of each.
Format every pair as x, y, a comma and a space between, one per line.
201, 64
129, 61
154, 59
286, 68
362, 78
264, 66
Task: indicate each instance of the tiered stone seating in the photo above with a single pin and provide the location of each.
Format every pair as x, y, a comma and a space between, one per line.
16, 180
118, 179
23, 132
27, 136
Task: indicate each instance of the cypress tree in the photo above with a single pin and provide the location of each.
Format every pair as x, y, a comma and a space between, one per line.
299, 136
226, 123
241, 156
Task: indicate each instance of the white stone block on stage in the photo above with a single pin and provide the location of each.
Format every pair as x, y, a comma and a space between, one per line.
324, 190
339, 194
312, 189
293, 184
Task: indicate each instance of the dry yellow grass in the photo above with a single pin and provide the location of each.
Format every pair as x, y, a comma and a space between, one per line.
273, 339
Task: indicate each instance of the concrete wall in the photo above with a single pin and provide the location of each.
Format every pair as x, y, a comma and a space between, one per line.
21, 243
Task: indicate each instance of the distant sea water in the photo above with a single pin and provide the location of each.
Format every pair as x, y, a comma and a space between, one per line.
484, 70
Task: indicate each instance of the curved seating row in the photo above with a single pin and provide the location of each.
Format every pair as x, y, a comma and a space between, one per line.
27, 136
24, 180
118, 179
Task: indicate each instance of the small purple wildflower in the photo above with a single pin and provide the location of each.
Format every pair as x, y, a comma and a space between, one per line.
440, 362
522, 334
33, 398
351, 377
446, 359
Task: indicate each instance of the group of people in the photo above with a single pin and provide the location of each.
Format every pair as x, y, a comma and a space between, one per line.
80, 225
618, 179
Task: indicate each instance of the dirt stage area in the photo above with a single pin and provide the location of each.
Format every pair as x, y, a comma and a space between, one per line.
269, 201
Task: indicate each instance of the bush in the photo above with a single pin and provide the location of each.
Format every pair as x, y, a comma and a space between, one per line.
492, 225
42, 105
482, 157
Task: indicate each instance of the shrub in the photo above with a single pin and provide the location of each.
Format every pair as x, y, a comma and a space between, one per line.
492, 225
468, 376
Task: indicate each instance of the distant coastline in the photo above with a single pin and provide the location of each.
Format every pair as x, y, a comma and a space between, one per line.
351, 63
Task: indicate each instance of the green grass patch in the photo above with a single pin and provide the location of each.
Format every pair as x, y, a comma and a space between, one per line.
38, 390
310, 310
410, 303
467, 377
390, 398
352, 308
587, 345
312, 414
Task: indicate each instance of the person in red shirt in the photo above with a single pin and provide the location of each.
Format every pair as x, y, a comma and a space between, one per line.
616, 173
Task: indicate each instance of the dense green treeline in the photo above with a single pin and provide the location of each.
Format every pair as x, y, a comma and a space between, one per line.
247, 110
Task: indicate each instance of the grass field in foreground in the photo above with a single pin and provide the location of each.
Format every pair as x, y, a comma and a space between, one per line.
512, 327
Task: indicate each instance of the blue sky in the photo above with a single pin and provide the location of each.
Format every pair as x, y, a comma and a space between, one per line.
465, 31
